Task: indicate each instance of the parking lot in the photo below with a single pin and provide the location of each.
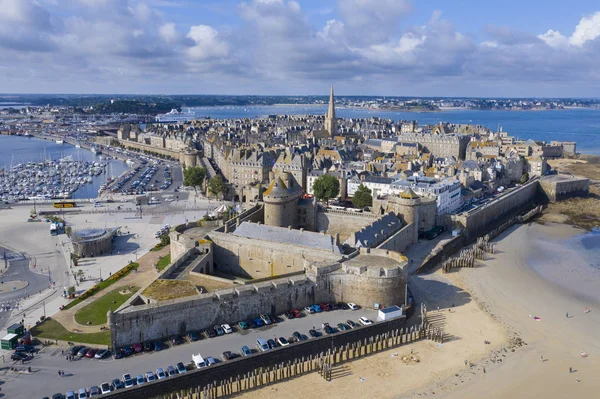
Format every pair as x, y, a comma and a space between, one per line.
84, 372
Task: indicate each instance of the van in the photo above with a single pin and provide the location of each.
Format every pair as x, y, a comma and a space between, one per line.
262, 345
199, 361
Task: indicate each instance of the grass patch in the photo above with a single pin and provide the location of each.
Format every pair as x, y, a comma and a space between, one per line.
51, 329
95, 312
163, 290
163, 262
104, 284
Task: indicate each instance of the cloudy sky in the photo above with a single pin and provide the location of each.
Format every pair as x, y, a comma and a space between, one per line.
378, 47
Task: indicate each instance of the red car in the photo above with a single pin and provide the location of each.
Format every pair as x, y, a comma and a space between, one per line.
91, 353
325, 307
297, 313
137, 348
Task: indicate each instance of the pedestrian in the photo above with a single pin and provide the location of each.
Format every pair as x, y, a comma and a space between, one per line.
541, 358
567, 315
62, 351
438, 308
484, 370
577, 379
570, 370
59, 373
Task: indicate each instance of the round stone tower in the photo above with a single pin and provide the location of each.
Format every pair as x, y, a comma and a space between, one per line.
281, 201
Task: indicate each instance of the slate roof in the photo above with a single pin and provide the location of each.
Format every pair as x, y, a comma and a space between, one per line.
389, 223
283, 235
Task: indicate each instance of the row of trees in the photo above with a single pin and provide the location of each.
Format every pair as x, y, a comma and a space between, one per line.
194, 176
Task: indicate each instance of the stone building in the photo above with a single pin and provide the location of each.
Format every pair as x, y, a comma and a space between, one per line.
281, 202
293, 163
441, 145
420, 211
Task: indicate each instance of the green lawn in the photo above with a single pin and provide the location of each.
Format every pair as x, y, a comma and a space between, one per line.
163, 262
95, 312
51, 329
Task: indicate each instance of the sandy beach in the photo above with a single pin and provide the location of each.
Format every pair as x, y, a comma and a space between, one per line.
498, 302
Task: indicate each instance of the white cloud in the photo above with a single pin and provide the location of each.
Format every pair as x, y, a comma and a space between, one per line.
553, 38
587, 29
207, 43
168, 33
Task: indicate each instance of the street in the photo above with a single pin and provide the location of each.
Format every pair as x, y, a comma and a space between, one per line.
88, 372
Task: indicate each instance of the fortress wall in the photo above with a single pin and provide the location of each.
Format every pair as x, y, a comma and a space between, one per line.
150, 148
400, 240
252, 258
157, 321
367, 290
557, 189
485, 218
342, 222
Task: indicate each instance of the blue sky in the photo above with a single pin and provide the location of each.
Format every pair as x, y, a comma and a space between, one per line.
378, 47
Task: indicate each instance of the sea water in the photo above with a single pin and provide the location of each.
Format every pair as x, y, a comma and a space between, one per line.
21, 149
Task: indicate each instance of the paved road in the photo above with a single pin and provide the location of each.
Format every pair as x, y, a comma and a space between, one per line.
18, 270
87, 372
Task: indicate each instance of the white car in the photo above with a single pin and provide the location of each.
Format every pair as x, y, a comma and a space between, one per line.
105, 388
199, 361
227, 328
352, 306
309, 309
161, 374
364, 321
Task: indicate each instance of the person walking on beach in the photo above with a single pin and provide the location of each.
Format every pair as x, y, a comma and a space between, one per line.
541, 358
570, 370
567, 315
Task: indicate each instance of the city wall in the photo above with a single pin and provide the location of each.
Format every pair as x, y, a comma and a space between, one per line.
343, 222
485, 218
150, 148
253, 258
560, 187
400, 240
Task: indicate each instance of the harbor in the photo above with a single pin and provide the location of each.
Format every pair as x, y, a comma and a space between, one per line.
31, 168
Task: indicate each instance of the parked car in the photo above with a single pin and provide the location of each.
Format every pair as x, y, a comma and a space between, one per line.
19, 356
181, 368
243, 325
317, 308
298, 336
226, 328
70, 395
58, 396
172, 371
210, 361
309, 309
127, 351
228, 355
75, 350
353, 306
95, 391
193, 336
325, 307
314, 333
245, 351
351, 324
272, 344
82, 393
219, 330
117, 384
258, 321
102, 353
158, 346
364, 321
343, 327
328, 329
82, 351
176, 340
210, 333
161, 374
266, 319
90, 353
26, 348
282, 341
297, 313
140, 379
148, 346
343, 305
105, 388
128, 383
289, 315
137, 348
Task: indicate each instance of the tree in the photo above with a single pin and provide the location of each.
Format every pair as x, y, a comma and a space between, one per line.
194, 176
326, 187
216, 185
362, 197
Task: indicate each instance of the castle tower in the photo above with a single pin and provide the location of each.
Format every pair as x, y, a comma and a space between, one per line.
281, 201
330, 120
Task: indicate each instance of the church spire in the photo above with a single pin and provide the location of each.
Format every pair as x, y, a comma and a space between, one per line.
330, 119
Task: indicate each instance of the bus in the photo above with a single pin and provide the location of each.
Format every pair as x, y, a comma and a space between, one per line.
64, 204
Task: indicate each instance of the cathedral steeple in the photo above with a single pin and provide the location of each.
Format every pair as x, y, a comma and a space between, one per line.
330, 120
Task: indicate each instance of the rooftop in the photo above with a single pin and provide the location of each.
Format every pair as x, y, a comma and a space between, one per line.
284, 235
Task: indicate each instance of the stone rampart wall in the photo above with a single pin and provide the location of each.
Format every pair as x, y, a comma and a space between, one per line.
400, 240
343, 222
558, 190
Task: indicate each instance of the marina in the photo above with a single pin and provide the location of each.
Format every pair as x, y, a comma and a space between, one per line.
31, 168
